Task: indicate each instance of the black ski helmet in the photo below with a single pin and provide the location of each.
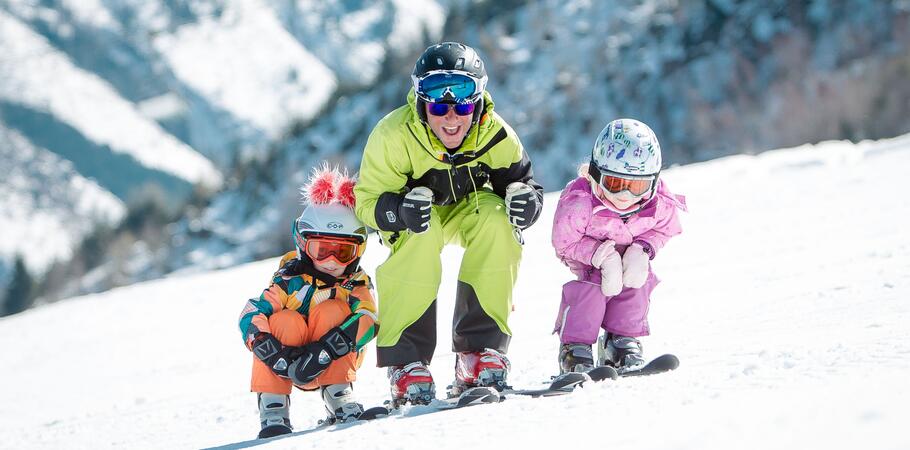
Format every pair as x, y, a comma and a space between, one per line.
451, 57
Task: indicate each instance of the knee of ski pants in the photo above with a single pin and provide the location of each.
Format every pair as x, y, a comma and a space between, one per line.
292, 329
580, 312
486, 224
289, 327
326, 315
413, 264
323, 317
432, 238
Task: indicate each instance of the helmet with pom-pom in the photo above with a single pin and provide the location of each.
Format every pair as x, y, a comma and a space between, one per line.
329, 199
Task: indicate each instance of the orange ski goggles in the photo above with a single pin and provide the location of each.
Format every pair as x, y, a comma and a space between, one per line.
321, 248
635, 186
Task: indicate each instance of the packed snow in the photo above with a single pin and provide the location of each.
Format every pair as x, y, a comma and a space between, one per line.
785, 299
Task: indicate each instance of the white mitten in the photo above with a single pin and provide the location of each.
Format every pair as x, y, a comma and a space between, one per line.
635, 266
607, 259
606, 247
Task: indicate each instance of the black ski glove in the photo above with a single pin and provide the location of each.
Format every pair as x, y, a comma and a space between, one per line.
522, 204
314, 358
396, 212
277, 357
415, 209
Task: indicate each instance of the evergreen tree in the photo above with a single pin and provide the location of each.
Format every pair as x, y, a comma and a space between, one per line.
20, 290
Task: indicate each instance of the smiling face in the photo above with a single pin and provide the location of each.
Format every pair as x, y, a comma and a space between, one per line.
623, 200
620, 202
330, 266
450, 128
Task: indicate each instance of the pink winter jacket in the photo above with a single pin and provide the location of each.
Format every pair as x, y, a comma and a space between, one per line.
582, 223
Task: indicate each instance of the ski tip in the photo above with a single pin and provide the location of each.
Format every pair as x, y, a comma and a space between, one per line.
661, 364
478, 395
375, 412
603, 373
667, 362
568, 381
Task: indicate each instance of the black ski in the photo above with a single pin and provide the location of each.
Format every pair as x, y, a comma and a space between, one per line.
376, 412
470, 397
561, 385
566, 383
661, 364
603, 373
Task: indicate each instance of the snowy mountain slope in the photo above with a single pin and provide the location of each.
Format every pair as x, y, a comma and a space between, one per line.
711, 78
355, 39
36, 75
42, 192
140, 92
785, 299
248, 64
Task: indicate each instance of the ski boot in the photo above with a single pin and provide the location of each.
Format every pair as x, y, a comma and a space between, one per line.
488, 368
412, 383
339, 403
575, 358
621, 352
274, 414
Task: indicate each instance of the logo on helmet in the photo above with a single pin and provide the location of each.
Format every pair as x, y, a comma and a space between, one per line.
334, 226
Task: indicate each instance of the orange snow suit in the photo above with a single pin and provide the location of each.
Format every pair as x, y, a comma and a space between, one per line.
298, 308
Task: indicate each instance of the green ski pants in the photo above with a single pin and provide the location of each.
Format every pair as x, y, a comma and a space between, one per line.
408, 281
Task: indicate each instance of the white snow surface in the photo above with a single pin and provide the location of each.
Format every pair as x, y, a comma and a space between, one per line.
785, 299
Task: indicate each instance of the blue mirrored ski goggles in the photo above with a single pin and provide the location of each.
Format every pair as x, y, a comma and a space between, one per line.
455, 87
441, 109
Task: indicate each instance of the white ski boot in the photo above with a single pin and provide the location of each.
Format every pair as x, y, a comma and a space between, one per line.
274, 414
339, 402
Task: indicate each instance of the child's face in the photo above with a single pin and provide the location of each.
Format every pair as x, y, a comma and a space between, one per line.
330, 266
621, 201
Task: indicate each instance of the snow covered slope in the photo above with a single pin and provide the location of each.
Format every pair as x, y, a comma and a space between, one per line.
47, 205
786, 299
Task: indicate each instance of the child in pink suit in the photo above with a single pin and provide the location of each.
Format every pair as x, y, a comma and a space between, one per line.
609, 223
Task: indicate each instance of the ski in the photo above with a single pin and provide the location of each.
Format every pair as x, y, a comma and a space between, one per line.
560, 385
661, 364
566, 383
470, 397
603, 373
376, 412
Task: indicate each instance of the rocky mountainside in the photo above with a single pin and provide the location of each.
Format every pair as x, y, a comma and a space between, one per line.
255, 93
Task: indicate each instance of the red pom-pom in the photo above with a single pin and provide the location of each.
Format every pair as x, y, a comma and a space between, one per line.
320, 190
329, 185
345, 193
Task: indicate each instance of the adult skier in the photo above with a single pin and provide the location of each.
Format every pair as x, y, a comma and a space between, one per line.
446, 169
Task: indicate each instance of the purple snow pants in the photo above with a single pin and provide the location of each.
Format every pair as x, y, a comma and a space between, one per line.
585, 310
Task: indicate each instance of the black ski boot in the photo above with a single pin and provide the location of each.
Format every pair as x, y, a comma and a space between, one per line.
575, 358
621, 352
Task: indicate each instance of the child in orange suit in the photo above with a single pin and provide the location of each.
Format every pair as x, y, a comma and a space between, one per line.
308, 329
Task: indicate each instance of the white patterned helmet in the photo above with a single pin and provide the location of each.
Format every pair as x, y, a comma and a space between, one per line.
626, 147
